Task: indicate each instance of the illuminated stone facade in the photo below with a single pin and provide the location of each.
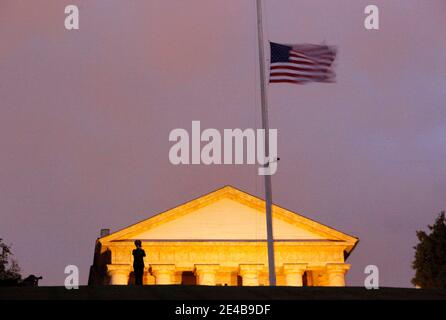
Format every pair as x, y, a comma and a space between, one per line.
220, 239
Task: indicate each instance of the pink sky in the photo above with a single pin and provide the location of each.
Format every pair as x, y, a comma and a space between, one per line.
85, 117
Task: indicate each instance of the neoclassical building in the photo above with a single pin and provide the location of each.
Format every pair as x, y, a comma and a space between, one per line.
220, 239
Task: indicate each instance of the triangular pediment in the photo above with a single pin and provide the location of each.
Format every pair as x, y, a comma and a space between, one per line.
228, 214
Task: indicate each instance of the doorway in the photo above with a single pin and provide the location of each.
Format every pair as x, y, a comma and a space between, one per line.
188, 278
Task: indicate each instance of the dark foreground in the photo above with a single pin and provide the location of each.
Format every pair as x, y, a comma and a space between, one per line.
176, 292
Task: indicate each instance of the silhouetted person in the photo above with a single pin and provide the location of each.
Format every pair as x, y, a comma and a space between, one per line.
138, 262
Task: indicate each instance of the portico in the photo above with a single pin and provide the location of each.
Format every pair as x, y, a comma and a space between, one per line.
220, 239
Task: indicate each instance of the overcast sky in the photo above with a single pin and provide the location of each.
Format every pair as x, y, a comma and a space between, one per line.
85, 117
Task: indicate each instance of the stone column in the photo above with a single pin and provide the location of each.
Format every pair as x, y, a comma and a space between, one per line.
336, 274
250, 274
206, 274
119, 274
163, 273
293, 273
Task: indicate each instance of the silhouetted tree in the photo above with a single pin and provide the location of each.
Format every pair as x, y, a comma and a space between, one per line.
430, 256
9, 269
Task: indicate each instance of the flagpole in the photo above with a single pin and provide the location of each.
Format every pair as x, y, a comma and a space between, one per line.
265, 126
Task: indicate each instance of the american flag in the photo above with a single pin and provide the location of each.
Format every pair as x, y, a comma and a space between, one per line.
301, 63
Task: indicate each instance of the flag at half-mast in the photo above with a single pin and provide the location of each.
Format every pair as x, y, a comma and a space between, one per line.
301, 63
